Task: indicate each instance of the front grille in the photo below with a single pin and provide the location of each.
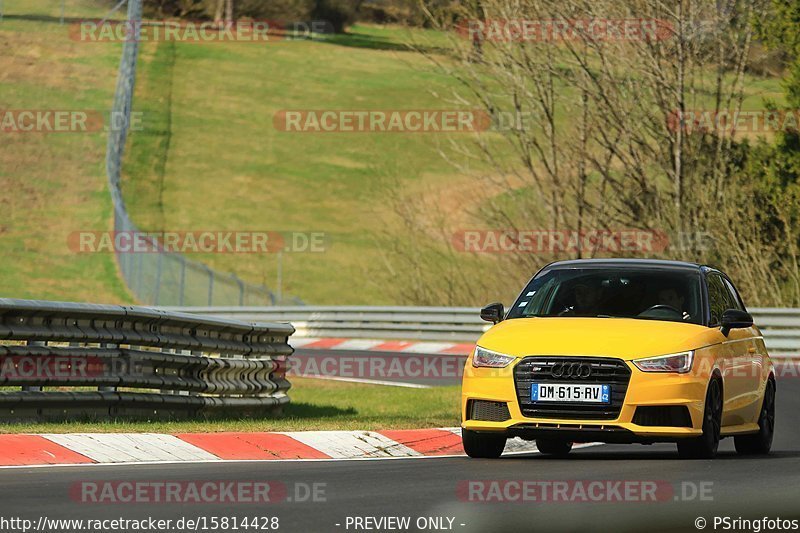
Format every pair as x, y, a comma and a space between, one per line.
488, 411
663, 415
589, 370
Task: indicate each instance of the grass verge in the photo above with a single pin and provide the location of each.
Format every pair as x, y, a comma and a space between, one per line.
316, 405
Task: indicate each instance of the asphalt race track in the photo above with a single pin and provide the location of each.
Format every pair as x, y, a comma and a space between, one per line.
750, 488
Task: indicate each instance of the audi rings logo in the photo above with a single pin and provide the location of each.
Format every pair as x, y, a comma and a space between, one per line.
571, 370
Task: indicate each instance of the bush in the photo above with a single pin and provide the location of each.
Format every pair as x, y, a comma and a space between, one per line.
339, 13
278, 10
190, 9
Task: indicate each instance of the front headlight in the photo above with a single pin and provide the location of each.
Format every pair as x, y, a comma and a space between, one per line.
488, 358
680, 363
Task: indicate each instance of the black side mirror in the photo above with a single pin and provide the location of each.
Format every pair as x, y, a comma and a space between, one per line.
735, 319
493, 312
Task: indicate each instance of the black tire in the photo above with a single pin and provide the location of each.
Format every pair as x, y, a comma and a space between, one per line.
482, 445
760, 443
705, 446
557, 448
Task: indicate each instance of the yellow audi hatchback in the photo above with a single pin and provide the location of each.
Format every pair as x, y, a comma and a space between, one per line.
620, 351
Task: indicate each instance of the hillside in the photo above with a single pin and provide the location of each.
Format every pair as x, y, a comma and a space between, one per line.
215, 140
53, 184
211, 158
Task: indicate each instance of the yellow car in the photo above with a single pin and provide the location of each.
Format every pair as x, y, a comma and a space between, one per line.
620, 351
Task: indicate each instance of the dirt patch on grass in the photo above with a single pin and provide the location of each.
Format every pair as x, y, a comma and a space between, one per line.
43, 59
456, 205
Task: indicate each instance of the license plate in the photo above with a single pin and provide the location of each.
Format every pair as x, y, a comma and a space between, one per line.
568, 392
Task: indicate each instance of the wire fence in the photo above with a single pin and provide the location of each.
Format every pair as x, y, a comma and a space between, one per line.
162, 278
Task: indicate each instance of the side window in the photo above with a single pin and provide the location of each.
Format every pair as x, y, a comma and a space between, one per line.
718, 298
736, 300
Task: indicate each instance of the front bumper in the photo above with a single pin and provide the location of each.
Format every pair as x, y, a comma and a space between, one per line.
644, 389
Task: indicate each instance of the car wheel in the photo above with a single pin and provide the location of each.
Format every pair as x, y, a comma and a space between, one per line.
482, 445
761, 442
705, 446
558, 448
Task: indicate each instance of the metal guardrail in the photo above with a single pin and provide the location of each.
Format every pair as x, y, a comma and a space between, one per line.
70, 360
458, 324
781, 327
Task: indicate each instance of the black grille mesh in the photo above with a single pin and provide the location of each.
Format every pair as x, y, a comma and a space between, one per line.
663, 415
488, 411
604, 371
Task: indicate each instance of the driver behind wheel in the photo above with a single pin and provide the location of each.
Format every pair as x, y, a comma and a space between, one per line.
586, 300
672, 297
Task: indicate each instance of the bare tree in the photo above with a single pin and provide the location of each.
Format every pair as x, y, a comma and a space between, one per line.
226, 7
606, 139
229, 10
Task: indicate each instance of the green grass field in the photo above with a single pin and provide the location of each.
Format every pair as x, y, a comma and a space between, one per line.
53, 184
316, 405
210, 157
214, 159
212, 137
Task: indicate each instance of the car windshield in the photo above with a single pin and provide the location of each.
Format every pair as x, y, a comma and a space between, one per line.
652, 294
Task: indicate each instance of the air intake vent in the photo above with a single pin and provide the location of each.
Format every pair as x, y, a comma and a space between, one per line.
676, 416
488, 411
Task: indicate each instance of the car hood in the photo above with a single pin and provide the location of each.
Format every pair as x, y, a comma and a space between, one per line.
624, 338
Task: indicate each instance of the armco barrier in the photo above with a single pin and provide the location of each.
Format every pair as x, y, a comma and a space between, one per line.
66, 360
458, 324
781, 327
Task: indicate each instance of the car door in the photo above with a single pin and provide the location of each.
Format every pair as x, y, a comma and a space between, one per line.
751, 355
733, 354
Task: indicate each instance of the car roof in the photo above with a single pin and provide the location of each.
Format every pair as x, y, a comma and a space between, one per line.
629, 263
